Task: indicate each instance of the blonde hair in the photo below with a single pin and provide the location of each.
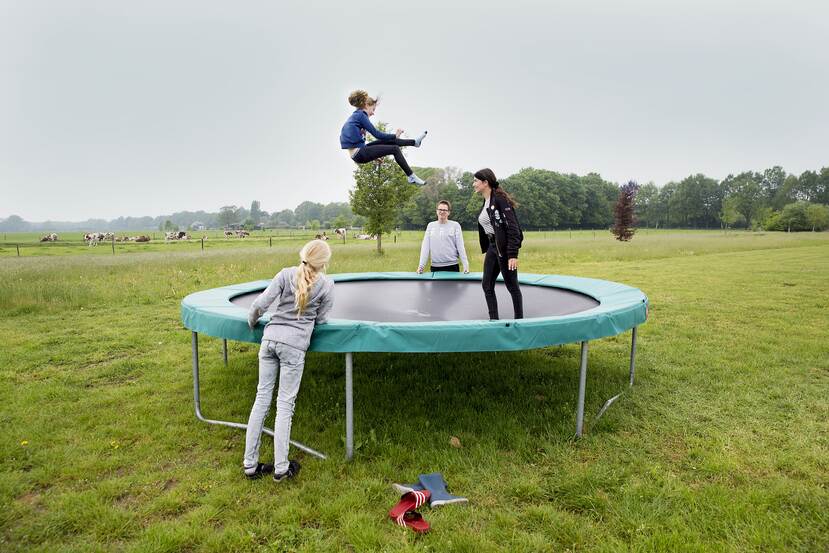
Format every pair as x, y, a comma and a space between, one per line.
360, 99
314, 257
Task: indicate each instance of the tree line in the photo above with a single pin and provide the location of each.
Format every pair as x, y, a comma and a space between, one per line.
769, 199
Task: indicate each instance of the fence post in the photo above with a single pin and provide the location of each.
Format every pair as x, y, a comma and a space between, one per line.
571, 233
113, 245
202, 243
270, 241
18, 249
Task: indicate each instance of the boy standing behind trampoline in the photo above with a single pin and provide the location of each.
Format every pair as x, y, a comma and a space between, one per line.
303, 296
443, 243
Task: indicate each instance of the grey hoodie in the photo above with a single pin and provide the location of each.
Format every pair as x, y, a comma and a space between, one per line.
284, 325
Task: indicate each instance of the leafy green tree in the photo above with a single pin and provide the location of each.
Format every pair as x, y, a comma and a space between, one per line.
729, 215
227, 215
786, 194
822, 187
817, 215
794, 216
537, 193
646, 205
772, 182
284, 218
667, 203
308, 211
748, 193
600, 196
380, 191
339, 222
808, 186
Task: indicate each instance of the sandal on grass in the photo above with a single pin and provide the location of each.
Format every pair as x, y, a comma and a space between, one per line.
413, 520
409, 502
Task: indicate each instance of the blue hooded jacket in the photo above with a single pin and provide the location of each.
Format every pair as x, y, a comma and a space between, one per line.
352, 135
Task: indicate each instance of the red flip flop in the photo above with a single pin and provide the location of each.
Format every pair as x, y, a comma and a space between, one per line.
409, 502
413, 520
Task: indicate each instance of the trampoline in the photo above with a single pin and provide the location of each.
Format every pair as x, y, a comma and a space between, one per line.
431, 312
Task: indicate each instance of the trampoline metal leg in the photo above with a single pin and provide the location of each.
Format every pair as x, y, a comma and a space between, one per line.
610, 401
349, 407
582, 385
197, 402
224, 351
632, 354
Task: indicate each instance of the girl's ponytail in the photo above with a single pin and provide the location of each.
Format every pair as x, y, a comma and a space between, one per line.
314, 257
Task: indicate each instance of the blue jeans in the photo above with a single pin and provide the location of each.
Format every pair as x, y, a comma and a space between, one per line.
289, 362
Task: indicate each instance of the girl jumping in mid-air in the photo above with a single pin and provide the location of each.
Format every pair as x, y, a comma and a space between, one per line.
353, 136
303, 296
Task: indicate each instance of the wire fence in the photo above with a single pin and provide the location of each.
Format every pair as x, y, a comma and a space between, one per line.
125, 244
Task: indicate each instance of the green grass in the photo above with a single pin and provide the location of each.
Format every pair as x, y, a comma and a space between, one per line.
721, 445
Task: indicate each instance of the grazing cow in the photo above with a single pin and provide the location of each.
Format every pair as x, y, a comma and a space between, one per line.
242, 233
92, 238
229, 234
340, 232
177, 235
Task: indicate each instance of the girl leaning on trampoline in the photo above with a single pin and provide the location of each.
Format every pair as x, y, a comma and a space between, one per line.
303, 296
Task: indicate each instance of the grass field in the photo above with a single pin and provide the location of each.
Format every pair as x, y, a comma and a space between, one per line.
721, 445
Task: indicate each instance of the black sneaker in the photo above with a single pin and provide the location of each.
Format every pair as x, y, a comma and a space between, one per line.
293, 470
260, 470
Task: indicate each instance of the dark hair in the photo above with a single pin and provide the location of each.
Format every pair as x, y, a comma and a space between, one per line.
446, 203
487, 175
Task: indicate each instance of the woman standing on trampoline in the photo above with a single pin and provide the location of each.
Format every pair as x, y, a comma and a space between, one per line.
303, 296
353, 137
500, 236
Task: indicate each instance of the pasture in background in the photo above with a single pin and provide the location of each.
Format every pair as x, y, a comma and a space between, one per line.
721, 444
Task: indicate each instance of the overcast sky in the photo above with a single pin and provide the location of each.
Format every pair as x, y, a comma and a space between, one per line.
116, 108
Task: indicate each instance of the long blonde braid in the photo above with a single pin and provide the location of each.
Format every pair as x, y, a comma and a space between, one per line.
314, 257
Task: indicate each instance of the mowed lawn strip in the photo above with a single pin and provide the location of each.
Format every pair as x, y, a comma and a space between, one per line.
722, 443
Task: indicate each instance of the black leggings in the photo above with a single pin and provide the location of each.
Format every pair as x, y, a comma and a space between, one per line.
494, 264
381, 148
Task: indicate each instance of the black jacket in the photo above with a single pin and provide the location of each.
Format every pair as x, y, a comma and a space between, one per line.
508, 233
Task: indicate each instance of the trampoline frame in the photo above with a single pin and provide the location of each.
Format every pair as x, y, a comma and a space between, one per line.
349, 390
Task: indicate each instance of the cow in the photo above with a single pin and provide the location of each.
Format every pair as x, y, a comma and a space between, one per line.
242, 233
340, 232
92, 238
229, 234
142, 238
177, 235
366, 237
50, 238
